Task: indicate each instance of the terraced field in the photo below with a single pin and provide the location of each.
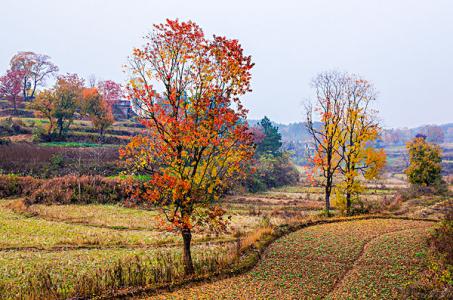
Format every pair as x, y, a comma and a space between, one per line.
365, 259
70, 243
74, 244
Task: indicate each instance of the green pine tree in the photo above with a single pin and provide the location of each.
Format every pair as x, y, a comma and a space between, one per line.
271, 143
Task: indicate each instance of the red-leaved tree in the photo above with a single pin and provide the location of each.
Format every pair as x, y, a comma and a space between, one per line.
11, 87
186, 88
111, 91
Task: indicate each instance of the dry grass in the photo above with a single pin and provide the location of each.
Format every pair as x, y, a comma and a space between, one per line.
110, 216
251, 238
23, 231
84, 273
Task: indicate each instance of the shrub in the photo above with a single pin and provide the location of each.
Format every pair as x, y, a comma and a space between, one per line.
10, 126
4, 141
392, 203
40, 134
442, 238
15, 186
437, 280
415, 191
70, 189
425, 162
272, 171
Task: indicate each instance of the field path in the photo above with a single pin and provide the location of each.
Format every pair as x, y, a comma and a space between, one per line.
340, 283
363, 259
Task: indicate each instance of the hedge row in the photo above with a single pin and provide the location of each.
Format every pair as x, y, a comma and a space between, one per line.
66, 190
12, 185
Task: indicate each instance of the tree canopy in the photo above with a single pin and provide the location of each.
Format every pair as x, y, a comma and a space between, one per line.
425, 162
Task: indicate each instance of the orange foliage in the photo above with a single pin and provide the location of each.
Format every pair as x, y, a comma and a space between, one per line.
197, 141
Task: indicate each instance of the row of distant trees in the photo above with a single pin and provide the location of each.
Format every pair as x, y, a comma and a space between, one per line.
26, 80
69, 96
433, 134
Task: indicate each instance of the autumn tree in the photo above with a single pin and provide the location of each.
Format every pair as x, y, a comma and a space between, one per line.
111, 91
11, 87
186, 89
425, 162
329, 106
272, 141
60, 103
359, 129
68, 94
98, 110
36, 69
44, 107
257, 134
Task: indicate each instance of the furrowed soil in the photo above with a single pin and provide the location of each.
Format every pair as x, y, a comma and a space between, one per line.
363, 259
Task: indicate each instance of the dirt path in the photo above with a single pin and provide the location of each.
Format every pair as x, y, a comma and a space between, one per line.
340, 283
366, 259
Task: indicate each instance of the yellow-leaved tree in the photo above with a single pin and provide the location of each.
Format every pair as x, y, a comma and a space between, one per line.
360, 128
343, 140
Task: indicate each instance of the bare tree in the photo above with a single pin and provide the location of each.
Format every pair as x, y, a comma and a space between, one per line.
330, 88
36, 67
92, 81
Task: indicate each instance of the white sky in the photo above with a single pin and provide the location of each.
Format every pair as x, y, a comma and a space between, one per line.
405, 47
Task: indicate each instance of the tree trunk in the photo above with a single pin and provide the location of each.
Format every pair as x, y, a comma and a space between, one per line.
33, 91
25, 89
50, 129
188, 264
60, 127
328, 191
14, 105
101, 135
348, 203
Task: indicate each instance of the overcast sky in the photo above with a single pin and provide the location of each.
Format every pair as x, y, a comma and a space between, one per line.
405, 47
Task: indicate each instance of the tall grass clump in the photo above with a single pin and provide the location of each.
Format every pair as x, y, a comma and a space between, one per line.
142, 272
